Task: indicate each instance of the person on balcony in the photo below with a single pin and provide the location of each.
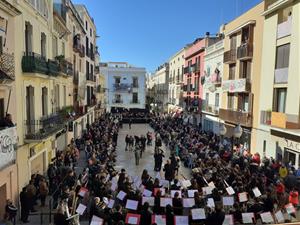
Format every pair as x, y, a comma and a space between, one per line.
7, 121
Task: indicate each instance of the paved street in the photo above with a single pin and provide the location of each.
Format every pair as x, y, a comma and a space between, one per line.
126, 159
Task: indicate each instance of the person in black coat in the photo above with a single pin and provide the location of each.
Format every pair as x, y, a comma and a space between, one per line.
177, 204
216, 218
25, 206
145, 215
169, 215
158, 159
169, 171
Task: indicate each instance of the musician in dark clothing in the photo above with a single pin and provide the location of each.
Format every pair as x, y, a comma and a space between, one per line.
216, 218
169, 171
25, 206
145, 215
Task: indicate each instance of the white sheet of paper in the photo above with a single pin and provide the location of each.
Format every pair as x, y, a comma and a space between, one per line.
132, 220
279, 216
166, 201
267, 217
243, 197
121, 195
111, 203
131, 204
198, 214
230, 190
256, 192
191, 193
188, 202
150, 200
114, 186
96, 221
228, 220
80, 209
181, 220
210, 203
174, 191
160, 220
186, 183
207, 190
248, 217
290, 208
228, 201
147, 193
162, 191
211, 184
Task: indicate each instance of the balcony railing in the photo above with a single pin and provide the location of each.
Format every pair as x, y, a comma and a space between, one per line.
265, 117
285, 121
245, 51
230, 56
53, 67
135, 102
117, 101
43, 128
281, 76
90, 77
66, 67
210, 108
236, 117
122, 87
284, 29
34, 63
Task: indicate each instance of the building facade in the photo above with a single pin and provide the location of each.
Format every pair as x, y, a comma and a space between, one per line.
176, 71
241, 75
8, 145
212, 90
278, 132
160, 88
125, 86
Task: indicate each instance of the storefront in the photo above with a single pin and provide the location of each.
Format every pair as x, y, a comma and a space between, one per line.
210, 123
8, 167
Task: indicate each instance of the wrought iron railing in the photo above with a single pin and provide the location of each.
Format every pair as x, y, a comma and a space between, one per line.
34, 63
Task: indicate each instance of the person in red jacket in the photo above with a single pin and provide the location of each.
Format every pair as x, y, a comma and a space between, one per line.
294, 197
280, 190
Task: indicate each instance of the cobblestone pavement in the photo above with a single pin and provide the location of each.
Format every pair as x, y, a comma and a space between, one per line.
126, 159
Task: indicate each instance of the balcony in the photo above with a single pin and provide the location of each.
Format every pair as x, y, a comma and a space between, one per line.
117, 101
245, 51
90, 77
284, 29
34, 63
66, 68
119, 87
230, 56
281, 76
236, 117
213, 109
190, 69
285, 121
77, 46
53, 68
37, 130
97, 69
236, 86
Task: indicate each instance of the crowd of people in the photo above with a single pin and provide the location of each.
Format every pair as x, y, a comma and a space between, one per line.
218, 170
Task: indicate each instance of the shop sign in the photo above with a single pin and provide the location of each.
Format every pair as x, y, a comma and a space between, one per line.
8, 142
293, 145
234, 86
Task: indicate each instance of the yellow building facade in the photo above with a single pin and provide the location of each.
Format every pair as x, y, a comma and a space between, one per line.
241, 79
279, 135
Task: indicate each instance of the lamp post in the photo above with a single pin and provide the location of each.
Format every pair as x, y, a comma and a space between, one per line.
222, 131
237, 132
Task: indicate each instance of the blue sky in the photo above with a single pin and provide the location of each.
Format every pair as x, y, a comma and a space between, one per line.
146, 33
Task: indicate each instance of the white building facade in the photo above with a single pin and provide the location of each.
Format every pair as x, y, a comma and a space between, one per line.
125, 85
212, 90
176, 66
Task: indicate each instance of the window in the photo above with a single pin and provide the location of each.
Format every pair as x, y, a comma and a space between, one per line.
54, 46
282, 56
289, 157
245, 69
87, 46
86, 25
43, 45
135, 82
63, 49
28, 37
279, 99
264, 148
243, 102
117, 80
208, 71
57, 102
134, 97
231, 72
1, 45
87, 67
207, 98
91, 32
2, 108
44, 101
233, 42
30, 105
217, 100
117, 98
230, 103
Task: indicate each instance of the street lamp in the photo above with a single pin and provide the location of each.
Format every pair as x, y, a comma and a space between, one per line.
237, 132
